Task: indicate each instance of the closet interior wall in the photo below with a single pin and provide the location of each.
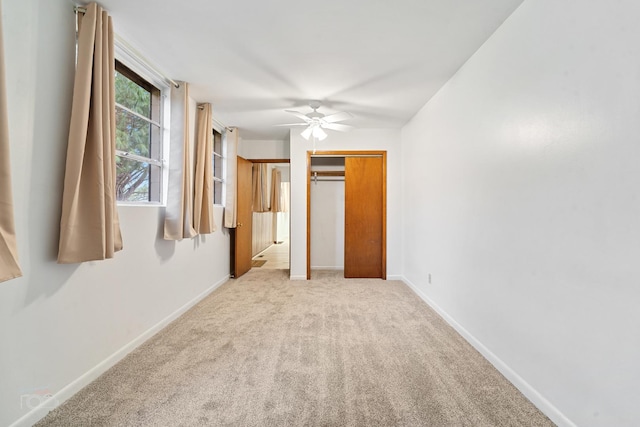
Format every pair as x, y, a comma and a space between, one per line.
327, 213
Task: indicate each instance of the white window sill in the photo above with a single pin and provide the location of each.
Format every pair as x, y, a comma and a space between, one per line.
141, 204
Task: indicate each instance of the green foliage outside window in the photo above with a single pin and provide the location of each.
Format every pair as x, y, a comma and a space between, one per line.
133, 135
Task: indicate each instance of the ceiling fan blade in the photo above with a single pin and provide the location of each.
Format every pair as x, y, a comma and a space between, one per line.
337, 117
307, 133
299, 115
338, 127
294, 124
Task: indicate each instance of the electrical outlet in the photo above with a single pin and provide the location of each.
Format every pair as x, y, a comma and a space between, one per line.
429, 278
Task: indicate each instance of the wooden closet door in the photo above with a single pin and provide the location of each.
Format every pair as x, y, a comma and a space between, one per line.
364, 240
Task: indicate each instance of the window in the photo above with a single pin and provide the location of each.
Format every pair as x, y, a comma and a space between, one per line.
138, 138
218, 158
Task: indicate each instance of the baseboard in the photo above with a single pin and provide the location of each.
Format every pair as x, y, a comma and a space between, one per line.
525, 388
297, 277
395, 277
66, 392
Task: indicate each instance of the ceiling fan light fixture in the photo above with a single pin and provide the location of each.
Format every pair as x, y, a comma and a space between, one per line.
306, 134
316, 122
319, 134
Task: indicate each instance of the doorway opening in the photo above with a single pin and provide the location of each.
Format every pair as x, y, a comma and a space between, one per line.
262, 229
270, 214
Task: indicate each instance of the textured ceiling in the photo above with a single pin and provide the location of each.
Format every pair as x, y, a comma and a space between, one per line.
378, 59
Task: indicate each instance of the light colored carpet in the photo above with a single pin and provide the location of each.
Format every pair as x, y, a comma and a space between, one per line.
265, 351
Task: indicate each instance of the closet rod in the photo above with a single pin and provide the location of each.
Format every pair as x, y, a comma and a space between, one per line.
317, 180
328, 173
315, 177
318, 156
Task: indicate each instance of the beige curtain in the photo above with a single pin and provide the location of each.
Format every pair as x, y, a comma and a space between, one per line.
203, 221
276, 202
260, 188
285, 196
231, 178
89, 227
9, 268
178, 216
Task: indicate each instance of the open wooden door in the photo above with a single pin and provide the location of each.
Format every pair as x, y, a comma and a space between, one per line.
242, 235
365, 217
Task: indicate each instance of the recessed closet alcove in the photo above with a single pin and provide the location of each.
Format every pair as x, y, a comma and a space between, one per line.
346, 212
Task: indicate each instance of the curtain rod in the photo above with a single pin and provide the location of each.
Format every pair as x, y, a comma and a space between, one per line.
216, 123
80, 9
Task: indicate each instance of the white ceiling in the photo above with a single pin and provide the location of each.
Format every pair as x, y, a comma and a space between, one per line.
381, 60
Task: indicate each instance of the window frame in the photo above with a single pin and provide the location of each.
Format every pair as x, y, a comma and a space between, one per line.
218, 173
144, 75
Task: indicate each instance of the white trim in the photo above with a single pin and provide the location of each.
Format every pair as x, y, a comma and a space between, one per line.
525, 388
133, 59
85, 379
218, 125
298, 277
165, 140
138, 115
219, 173
140, 204
395, 277
128, 155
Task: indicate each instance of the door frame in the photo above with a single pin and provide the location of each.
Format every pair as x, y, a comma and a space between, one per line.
350, 153
232, 247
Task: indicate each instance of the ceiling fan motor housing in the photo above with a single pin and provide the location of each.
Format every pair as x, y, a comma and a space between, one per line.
316, 122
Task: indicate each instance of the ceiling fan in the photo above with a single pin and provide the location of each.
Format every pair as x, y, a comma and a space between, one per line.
316, 122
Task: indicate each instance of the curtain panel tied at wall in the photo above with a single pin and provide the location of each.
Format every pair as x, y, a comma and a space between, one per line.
276, 196
260, 188
231, 178
178, 214
9, 268
89, 227
285, 196
203, 221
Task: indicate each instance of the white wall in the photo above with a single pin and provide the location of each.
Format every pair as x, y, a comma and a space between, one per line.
263, 149
59, 322
521, 199
358, 139
262, 235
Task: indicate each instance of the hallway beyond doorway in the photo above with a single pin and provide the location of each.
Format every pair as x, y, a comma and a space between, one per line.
276, 256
